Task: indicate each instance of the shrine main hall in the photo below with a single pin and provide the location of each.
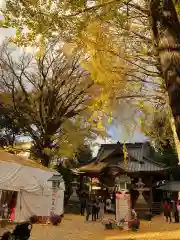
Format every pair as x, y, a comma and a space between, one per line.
125, 167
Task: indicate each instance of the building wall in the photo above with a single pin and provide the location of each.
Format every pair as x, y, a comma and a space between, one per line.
25, 152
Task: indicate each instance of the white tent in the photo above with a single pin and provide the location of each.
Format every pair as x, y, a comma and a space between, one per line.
30, 180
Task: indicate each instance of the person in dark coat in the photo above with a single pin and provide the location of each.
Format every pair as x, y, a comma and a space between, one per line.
22, 231
83, 206
88, 209
97, 208
94, 210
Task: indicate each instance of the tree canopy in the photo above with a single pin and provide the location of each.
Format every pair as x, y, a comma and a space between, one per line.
155, 124
115, 44
108, 36
84, 154
50, 99
9, 129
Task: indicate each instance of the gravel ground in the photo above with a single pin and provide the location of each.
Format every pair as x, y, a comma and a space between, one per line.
73, 227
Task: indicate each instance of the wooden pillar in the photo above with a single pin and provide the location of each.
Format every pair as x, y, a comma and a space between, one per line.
151, 194
81, 182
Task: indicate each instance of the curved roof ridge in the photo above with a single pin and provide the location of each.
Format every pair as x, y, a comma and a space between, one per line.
154, 162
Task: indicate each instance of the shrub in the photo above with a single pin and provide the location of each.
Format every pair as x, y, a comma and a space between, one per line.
55, 219
33, 219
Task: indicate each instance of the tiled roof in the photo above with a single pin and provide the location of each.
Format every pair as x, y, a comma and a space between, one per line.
145, 165
141, 166
128, 145
138, 162
135, 149
136, 153
104, 154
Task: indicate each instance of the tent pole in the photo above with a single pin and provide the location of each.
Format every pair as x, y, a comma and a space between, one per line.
20, 204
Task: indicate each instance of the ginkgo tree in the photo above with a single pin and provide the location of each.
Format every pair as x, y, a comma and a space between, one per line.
91, 27
50, 99
105, 31
114, 39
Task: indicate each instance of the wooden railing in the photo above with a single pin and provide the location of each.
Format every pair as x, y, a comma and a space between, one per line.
156, 208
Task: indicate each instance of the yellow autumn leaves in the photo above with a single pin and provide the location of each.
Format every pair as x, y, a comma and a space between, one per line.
104, 59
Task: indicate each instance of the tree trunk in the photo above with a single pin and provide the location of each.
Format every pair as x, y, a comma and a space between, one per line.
45, 160
176, 139
166, 29
37, 151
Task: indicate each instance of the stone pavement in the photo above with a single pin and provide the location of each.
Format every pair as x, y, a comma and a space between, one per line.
73, 227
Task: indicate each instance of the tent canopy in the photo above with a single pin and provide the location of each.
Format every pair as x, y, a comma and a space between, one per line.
17, 173
11, 158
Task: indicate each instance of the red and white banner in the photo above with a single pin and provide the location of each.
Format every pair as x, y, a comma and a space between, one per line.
123, 206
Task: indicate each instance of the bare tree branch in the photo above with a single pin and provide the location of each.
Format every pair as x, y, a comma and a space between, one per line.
44, 93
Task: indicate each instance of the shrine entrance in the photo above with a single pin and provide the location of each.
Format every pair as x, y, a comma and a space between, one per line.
133, 179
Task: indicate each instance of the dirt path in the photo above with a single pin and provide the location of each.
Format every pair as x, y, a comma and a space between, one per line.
73, 227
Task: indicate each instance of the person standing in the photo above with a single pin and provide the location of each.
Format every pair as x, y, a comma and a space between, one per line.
13, 206
101, 211
83, 206
175, 212
178, 208
97, 208
167, 211
88, 209
94, 210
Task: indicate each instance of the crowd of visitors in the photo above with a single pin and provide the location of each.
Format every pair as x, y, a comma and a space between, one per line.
94, 207
171, 210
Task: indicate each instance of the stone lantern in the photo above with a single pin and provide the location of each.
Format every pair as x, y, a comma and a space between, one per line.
122, 183
56, 179
75, 186
140, 188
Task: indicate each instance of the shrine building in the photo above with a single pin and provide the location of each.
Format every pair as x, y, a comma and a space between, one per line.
120, 167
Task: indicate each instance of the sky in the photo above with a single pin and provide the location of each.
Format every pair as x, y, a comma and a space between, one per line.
116, 131
119, 134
